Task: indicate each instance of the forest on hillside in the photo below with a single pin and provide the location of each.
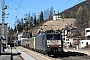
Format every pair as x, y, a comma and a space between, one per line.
82, 14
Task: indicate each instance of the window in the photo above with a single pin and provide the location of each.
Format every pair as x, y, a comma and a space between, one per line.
56, 17
82, 42
86, 43
67, 39
87, 31
63, 38
67, 42
53, 36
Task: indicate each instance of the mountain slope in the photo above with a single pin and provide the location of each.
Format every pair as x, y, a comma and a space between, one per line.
71, 12
54, 24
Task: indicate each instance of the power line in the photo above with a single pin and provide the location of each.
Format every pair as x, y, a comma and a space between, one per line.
43, 4
64, 5
68, 2
21, 6
15, 11
77, 2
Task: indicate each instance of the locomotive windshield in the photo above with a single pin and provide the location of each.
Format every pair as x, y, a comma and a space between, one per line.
53, 37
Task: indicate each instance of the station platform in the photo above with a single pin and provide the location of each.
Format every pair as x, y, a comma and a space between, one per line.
22, 56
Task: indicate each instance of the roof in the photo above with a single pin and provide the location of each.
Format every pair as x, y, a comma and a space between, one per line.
87, 29
56, 14
76, 42
84, 40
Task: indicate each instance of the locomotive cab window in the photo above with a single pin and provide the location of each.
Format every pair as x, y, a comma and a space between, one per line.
57, 37
53, 37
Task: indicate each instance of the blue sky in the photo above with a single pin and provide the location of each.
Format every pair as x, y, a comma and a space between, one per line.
20, 7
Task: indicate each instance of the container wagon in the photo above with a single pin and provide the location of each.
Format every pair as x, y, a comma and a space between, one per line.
32, 43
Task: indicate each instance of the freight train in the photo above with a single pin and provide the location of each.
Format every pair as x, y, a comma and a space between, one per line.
46, 43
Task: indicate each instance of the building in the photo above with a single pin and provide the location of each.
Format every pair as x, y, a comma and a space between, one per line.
87, 33
84, 43
56, 17
64, 32
70, 35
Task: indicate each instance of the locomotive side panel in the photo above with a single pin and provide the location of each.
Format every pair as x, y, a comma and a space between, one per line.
41, 42
34, 43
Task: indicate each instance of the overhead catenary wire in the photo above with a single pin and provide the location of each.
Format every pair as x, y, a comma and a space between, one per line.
44, 3
77, 2
15, 11
21, 6
41, 5
64, 5
67, 3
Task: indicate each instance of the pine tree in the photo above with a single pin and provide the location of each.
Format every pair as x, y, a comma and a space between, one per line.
41, 17
34, 19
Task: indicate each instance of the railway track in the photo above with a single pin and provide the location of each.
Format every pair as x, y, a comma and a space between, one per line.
71, 56
65, 56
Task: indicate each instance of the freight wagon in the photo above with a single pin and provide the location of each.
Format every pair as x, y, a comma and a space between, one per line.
25, 42
32, 43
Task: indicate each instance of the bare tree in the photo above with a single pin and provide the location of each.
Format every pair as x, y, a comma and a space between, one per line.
46, 14
51, 13
82, 17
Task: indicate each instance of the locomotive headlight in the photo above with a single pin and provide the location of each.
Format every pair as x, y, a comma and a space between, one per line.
59, 46
47, 46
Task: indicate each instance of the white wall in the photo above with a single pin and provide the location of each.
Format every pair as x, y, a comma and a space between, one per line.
67, 42
55, 17
83, 43
20, 36
87, 33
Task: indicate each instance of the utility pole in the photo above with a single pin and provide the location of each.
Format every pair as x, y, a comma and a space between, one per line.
3, 18
2, 31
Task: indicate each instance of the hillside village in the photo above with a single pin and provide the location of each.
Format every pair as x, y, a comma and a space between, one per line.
69, 31
67, 26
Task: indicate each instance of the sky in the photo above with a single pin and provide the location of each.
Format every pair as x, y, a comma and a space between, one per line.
20, 7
